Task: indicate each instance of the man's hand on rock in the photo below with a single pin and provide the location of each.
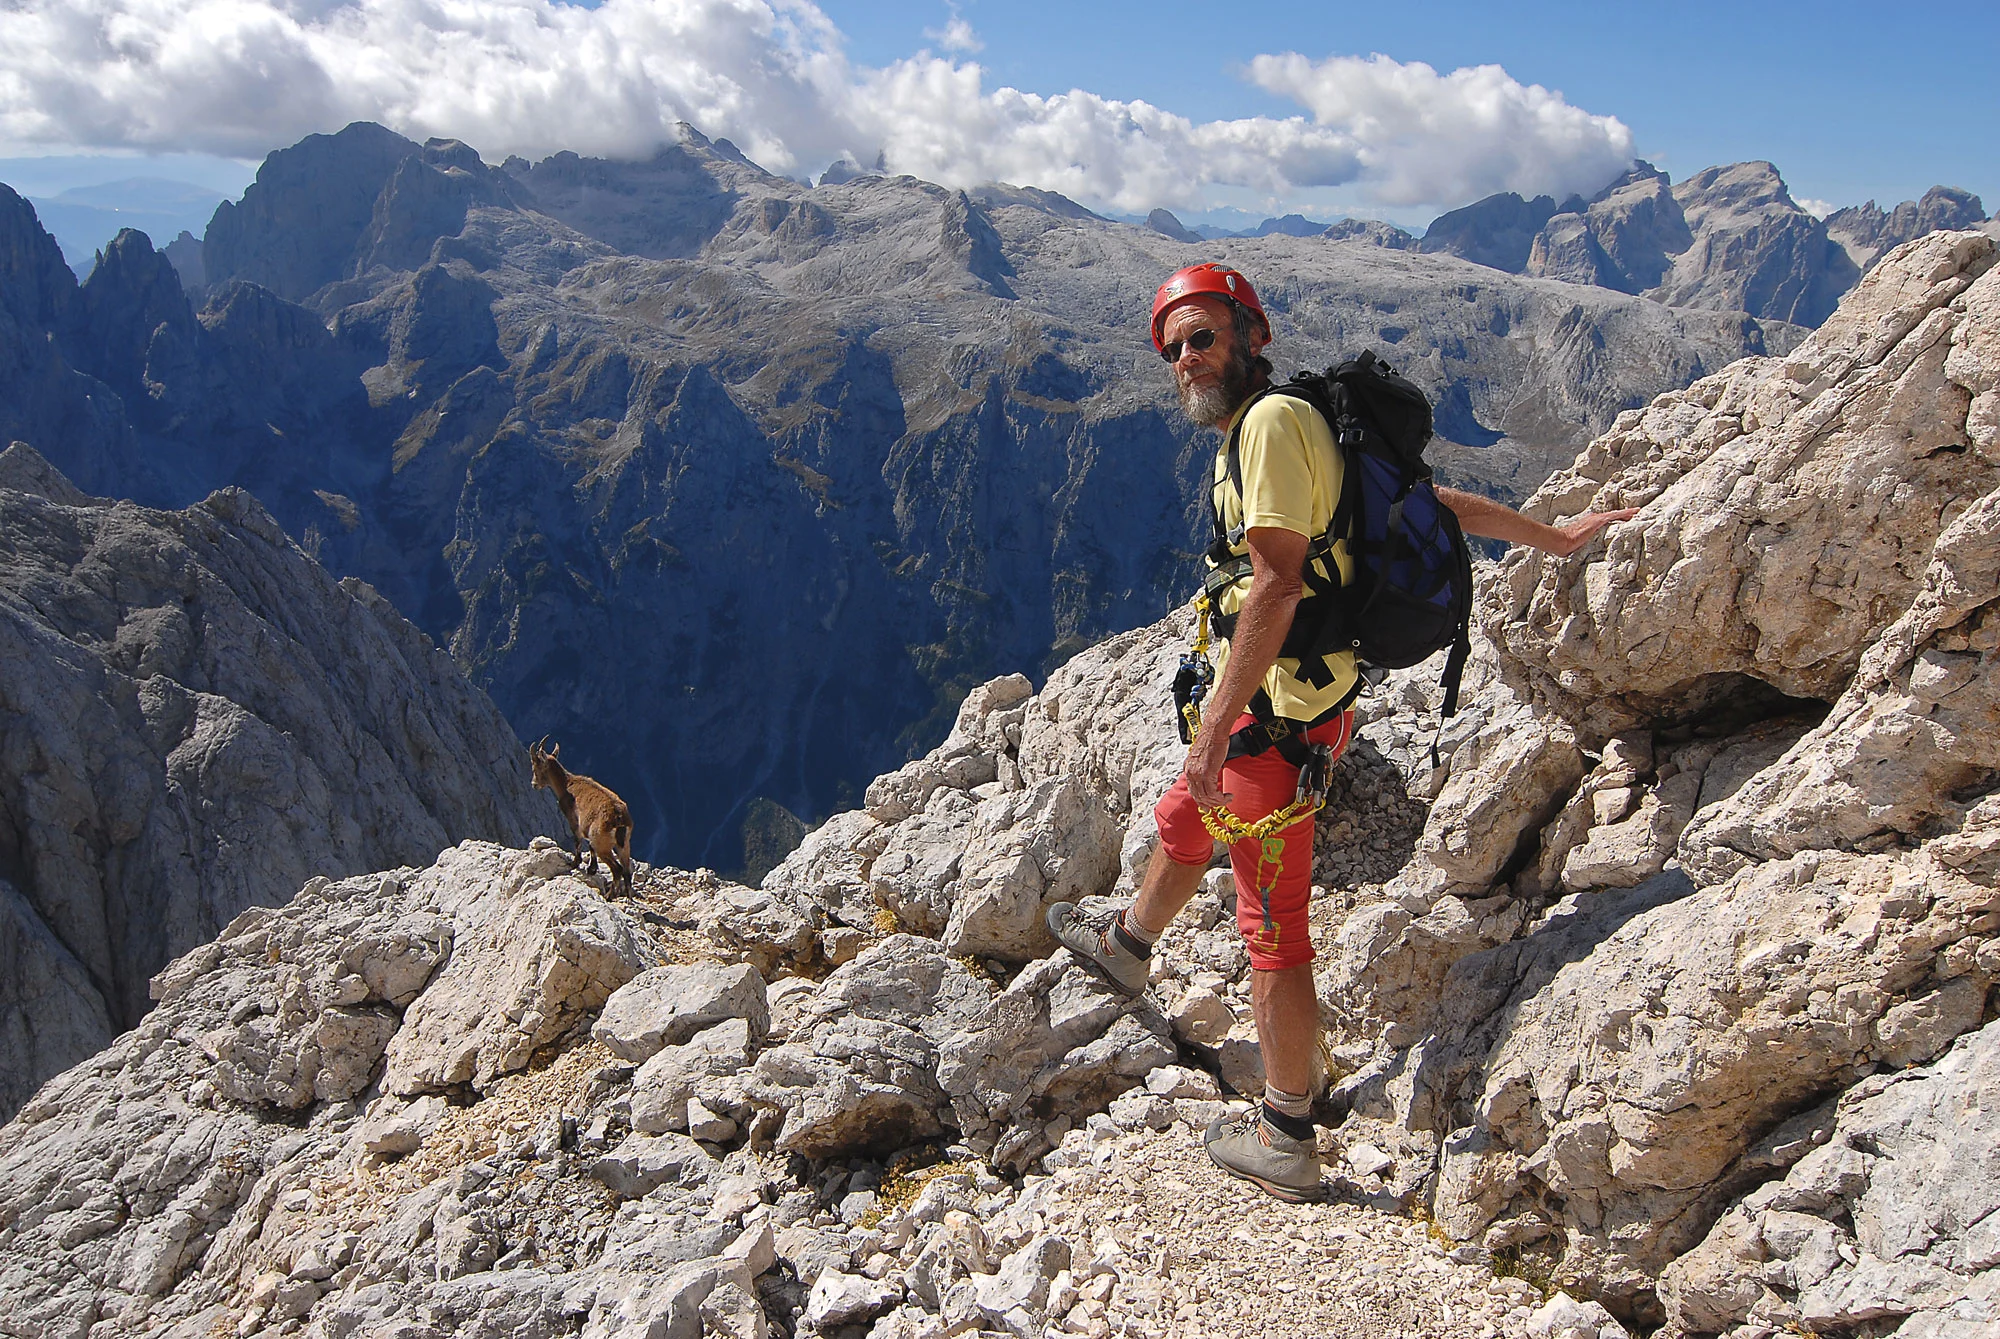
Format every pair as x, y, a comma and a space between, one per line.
1569, 538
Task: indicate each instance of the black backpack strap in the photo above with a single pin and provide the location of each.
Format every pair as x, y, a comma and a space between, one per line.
1454, 664
1226, 539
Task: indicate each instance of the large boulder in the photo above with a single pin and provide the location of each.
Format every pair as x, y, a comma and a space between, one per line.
1056, 1045
861, 1070
1790, 508
1643, 1049
1891, 1215
535, 964
664, 1006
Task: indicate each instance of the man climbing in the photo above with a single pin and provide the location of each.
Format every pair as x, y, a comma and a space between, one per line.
1212, 331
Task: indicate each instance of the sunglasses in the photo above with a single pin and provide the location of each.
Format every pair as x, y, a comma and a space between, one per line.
1201, 341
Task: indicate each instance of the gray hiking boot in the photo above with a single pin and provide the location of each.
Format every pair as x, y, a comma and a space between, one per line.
1094, 945
1246, 1147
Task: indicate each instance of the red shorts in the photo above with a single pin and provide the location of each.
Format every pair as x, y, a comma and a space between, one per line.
1273, 876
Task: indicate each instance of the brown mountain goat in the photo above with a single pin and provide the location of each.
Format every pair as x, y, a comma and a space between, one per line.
596, 815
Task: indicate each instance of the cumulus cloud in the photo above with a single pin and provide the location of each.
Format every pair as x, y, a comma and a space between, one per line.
1424, 137
533, 76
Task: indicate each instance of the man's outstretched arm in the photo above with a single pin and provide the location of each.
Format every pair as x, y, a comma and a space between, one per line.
1488, 519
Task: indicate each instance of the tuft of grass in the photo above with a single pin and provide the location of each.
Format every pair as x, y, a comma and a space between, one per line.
1535, 1268
886, 922
901, 1188
1422, 1215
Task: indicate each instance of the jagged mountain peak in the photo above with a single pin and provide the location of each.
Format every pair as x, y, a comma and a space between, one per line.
1729, 237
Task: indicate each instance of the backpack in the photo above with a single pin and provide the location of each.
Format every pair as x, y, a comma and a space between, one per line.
1411, 591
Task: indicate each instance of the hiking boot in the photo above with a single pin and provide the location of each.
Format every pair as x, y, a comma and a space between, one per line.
1095, 947
1246, 1146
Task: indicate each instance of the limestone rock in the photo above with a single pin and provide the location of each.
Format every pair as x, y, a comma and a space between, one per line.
1563, 1317
830, 867
675, 1077
1053, 842
1057, 1039
664, 1006
1892, 1217
843, 1299
209, 1161
860, 1072
763, 928
1772, 450
644, 1162
538, 963
1725, 1009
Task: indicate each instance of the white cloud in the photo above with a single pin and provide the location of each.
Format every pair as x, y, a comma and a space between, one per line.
957, 35
1819, 209
1425, 137
534, 76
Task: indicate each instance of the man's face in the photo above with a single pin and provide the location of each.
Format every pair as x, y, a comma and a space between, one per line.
1212, 382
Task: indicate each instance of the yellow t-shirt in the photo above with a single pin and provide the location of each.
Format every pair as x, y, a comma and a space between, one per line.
1291, 481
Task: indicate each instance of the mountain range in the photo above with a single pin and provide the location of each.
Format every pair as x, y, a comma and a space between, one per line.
733, 485
1657, 984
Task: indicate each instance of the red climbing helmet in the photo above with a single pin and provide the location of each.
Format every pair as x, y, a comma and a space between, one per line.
1195, 280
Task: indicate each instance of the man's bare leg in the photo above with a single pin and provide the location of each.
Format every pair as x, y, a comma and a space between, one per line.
1272, 1144
1286, 1006
1167, 887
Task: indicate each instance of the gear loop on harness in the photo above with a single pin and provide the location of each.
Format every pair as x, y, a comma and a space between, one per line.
1314, 777
1194, 677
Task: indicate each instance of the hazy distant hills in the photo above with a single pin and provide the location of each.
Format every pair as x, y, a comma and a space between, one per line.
84, 218
732, 484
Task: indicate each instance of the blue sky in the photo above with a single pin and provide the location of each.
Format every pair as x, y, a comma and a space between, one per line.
1851, 101
1123, 105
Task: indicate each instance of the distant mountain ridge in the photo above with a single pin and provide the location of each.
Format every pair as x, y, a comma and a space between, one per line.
1728, 239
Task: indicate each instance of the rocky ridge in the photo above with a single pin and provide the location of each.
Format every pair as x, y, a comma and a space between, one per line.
479, 1099
1728, 238
196, 716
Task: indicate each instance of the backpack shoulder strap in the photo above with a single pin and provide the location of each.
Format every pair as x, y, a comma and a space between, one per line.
1226, 537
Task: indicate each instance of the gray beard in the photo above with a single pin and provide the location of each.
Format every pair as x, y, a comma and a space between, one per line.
1209, 404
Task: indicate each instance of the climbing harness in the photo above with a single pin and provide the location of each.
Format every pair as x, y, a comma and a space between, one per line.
1314, 777
1192, 681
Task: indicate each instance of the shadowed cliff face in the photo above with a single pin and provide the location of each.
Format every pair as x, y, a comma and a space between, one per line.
734, 486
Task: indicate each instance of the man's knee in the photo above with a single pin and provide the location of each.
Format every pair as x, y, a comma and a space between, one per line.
1183, 836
